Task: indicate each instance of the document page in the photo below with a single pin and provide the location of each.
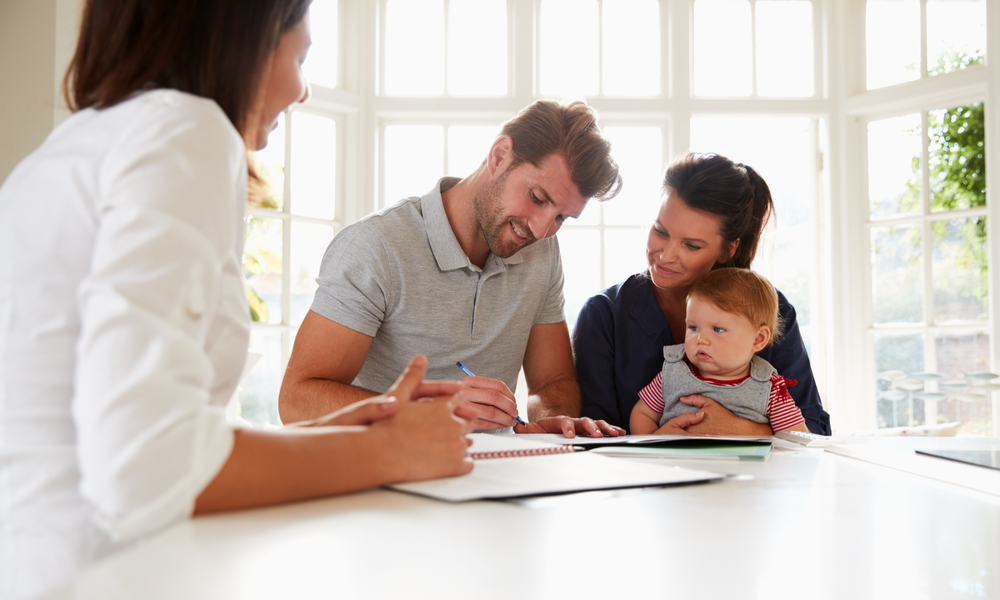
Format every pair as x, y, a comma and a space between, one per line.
551, 474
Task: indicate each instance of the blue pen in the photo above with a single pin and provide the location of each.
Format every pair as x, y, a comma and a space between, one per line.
466, 370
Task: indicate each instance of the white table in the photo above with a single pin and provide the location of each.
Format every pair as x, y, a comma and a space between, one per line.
808, 524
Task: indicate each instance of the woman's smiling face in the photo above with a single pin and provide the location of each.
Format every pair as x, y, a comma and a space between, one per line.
684, 243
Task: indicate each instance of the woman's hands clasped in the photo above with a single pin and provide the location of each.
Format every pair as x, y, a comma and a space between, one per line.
418, 428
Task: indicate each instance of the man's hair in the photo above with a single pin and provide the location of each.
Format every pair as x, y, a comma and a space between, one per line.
216, 49
742, 292
568, 128
734, 192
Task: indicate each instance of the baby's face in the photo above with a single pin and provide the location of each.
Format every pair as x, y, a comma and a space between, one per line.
720, 344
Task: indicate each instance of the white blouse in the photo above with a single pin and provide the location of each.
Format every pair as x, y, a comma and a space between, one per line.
123, 329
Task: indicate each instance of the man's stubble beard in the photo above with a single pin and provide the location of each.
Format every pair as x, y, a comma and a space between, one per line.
488, 212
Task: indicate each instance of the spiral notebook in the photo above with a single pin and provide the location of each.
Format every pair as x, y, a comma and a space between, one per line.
488, 445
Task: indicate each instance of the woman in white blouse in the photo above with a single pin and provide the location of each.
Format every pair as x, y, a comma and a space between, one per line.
123, 320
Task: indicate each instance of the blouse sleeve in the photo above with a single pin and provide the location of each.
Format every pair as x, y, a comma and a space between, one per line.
790, 359
593, 350
148, 438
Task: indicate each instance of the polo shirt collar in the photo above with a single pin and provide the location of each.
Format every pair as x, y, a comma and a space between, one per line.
646, 310
444, 245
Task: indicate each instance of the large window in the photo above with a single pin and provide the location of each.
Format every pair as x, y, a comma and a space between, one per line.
931, 333
867, 120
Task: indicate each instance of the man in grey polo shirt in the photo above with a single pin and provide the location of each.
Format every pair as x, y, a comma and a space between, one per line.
469, 272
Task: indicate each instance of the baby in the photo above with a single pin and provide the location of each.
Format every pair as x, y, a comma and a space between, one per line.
731, 315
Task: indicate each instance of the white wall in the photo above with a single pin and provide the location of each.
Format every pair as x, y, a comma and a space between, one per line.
37, 38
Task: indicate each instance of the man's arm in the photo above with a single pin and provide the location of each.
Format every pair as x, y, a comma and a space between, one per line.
553, 393
548, 370
325, 360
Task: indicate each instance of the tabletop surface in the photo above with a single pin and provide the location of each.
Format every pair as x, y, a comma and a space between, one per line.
804, 523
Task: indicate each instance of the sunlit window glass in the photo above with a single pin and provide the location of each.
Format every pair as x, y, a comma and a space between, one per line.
783, 151
897, 274
258, 393
321, 65
468, 146
477, 47
414, 47
892, 45
631, 42
414, 158
314, 161
959, 354
309, 242
639, 153
957, 157
271, 165
624, 252
894, 166
262, 268
722, 49
581, 253
959, 270
569, 46
784, 48
956, 34
901, 353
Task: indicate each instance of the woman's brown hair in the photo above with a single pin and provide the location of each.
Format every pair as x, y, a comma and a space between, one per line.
733, 191
216, 49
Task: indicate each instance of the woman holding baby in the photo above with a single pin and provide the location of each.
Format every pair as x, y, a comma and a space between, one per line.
711, 217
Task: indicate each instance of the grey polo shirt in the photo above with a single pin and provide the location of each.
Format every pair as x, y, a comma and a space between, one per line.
400, 276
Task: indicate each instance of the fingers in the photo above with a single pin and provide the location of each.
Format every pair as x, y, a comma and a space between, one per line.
362, 413
698, 401
437, 388
608, 429
586, 425
687, 419
410, 379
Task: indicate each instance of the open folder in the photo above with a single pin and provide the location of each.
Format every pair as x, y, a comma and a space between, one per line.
516, 477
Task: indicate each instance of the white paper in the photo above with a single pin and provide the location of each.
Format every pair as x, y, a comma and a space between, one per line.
552, 474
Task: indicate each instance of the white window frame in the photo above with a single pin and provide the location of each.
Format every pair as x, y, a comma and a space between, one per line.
852, 353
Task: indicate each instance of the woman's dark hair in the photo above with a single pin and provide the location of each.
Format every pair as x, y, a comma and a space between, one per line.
734, 191
216, 49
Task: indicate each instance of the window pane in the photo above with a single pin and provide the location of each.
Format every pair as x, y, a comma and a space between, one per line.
271, 161
892, 42
639, 153
896, 406
631, 47
569, 46
314, 166
580, 248
258, 394
894, 166
468, 146
956, 34
783, 152
414, 47
897, 275
624, 254
957, 355
262, 268
960, 274
784, 48
414, 157
309, 242
321, 65
957, 157
477, 47
722, 52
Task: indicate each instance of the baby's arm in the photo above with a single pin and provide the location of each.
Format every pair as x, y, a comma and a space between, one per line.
782, 412
643, 420
645, 417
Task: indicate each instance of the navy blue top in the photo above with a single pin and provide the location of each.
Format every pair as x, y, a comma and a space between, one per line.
618, 343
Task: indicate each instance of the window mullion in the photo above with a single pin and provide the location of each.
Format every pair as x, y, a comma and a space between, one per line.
753, 48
